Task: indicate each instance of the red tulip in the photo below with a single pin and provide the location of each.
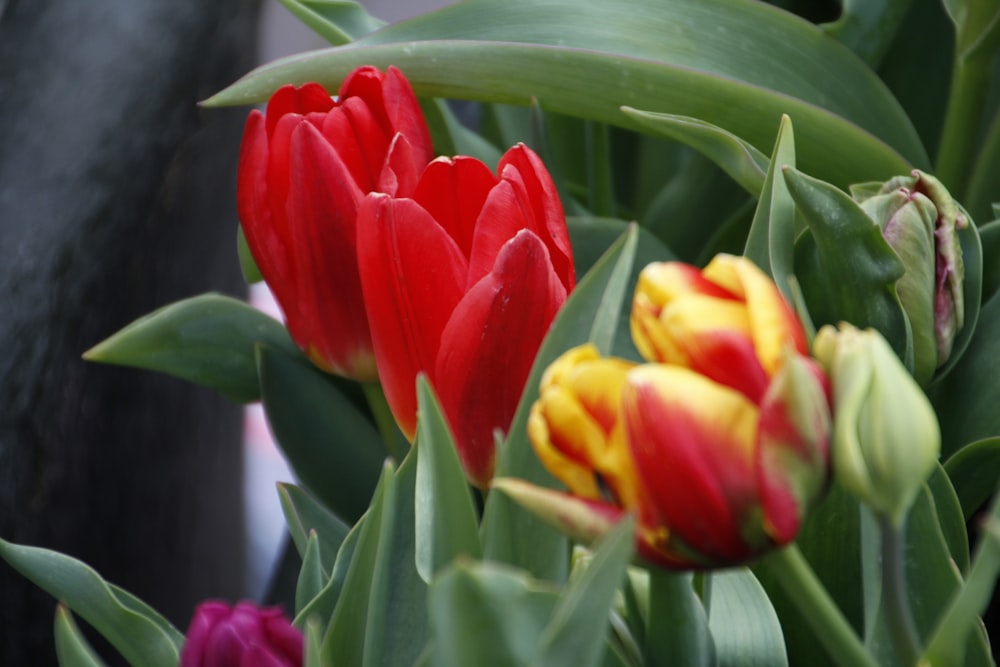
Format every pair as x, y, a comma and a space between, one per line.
461, 282
304, 168
241, 636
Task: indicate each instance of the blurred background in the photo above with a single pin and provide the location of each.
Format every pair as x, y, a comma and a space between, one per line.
117, 196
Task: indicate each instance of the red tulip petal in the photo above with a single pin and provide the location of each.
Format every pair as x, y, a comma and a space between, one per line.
413, 276
361, 142
503, 215
534, 184
291, 100
405, 115
454, 190
323, 202
399, 172
253, 205
693, 443
489, 345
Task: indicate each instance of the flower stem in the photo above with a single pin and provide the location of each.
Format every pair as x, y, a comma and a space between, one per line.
793, 573
395, 444
902, 629
677, 635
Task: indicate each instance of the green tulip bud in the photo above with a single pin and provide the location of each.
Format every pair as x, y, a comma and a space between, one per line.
886, 438
920, 221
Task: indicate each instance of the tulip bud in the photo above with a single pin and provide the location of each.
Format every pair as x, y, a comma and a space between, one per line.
920, 221
886, 438
241, 636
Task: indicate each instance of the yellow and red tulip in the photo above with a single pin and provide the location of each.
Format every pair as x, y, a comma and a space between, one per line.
305, 165
461, 282
719, 447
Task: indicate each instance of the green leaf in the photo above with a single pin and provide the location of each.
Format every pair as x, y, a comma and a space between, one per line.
336, 21
576, 635
735, 64
320, 608
738, 158
951, 636
974, 471
950, 517
966, 398
487, 615
353, 629
72, 648
446, 522
868, 27
331, 446
678, 634
450, 137
313, 642
989, 235
305, 515
743, 622
139, 633
771, 242
208, 340
846, 268
591, 237
403, 613
248, 266
312, 578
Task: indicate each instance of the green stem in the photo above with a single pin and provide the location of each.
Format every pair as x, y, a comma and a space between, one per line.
677, 635
902, 629
793, 573
966, 100
395, 444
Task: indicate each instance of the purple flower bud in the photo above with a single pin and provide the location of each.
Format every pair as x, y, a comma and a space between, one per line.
240, 636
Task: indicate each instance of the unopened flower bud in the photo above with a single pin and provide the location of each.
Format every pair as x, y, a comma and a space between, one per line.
241, 636
886, 438
920, 221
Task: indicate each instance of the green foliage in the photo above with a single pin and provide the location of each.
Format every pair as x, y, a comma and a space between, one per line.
208, 340
140, 634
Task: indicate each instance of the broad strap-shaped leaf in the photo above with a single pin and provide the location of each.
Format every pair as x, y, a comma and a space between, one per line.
72, 649
312, 578
966, 398
139, 633
680, 57
738, 158
208, 340
868, 28
488, 615
846, 268
446, 522
744, 625
304, 515
576, 635
771, 242
351, 629
332, 447
974, 471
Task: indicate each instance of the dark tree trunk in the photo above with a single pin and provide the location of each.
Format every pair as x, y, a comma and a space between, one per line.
116, 197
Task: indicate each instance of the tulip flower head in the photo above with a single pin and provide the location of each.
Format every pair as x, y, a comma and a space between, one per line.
305, 165
461, 282
920, 221
719, 446
241, 636
886, 439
